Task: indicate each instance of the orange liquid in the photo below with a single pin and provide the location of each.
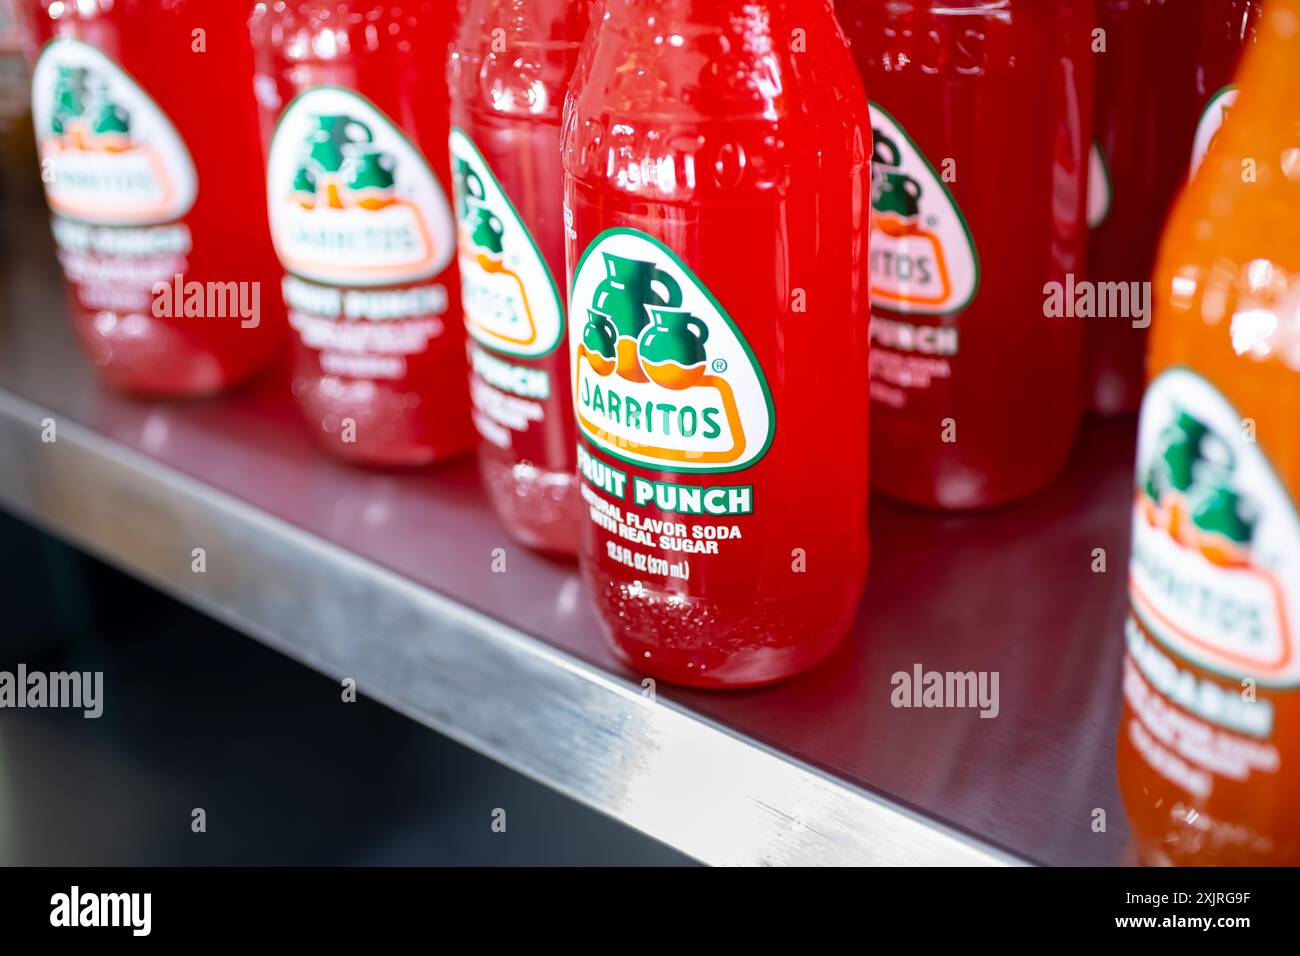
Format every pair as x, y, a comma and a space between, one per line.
1201, 788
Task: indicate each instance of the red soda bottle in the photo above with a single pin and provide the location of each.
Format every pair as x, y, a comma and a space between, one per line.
147, 134
1146, 118
716, 185
509, 71
982, 117
354, 108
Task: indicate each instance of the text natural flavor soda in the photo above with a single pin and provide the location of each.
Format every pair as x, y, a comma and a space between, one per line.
982, 121
1226, 28
147, 134
510, 68
1146, 115
358, 186
716, 201
1209, 744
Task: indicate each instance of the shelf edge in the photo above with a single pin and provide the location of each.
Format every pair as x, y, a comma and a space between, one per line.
682, 779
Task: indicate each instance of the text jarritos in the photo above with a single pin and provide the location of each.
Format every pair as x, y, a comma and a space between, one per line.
661, 374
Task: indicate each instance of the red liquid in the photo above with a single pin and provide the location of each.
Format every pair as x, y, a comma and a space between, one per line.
1227, 27
354, 109
152, 181
1146, 121
733, 161
507, 101
976, 391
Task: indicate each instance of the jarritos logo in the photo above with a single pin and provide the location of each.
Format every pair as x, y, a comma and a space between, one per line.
351, 200
511, 302
662, 376
923, 258
109, 154
1215, 569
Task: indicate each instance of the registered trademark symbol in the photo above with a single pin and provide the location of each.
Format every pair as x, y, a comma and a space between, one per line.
719, 365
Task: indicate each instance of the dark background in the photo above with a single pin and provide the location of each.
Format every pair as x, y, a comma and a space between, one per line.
197, 715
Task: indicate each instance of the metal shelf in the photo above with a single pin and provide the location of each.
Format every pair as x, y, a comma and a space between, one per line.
387, 578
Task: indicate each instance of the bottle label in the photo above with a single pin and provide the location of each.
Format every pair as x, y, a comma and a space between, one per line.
511, 302
1215, 569
352, 201
923, 257
109, 154
1099, 189
1212, 120
662, 377
359, 219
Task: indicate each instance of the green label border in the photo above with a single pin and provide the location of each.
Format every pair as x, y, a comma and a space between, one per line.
563, 333
961, 218
726, 316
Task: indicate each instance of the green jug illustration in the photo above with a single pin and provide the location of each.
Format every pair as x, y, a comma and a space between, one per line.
304, 186
111, 120
892, 191
486, 230
671, 348
333, 132
69, 98
629, 286
1179, 452
369, 175
469, 188
1222, 511
601, 341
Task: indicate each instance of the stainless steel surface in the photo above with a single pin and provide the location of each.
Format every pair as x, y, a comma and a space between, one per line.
388, 578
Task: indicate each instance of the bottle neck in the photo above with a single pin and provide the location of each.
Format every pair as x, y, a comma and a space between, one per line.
671, 15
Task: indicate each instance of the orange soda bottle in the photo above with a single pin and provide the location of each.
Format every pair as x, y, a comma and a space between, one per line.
1209, 745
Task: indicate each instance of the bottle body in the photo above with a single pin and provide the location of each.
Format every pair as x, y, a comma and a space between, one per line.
509, 71
1146, 119
716, 189
160, 229
1209, 744
354, 119
982, 117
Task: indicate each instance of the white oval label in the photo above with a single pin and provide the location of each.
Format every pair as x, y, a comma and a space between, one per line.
510, 299
923, 257
1215, 570
1212, 120
351, 200
661, 374
109, 154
